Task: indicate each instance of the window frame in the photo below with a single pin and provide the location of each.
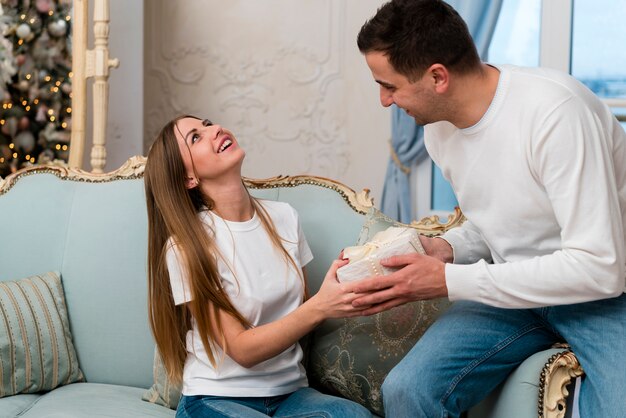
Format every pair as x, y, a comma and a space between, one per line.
555, 51
555, 47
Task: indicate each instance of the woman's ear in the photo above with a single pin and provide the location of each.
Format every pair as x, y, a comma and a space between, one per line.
191, 182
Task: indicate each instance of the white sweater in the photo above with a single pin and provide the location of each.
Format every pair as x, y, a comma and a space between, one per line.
541, 179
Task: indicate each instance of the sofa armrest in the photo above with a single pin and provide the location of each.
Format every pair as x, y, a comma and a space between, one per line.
538, 387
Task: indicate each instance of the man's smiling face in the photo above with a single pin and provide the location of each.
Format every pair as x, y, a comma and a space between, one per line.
417, 98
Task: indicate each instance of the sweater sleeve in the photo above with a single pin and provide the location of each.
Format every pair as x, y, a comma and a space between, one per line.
468, 245
571, 158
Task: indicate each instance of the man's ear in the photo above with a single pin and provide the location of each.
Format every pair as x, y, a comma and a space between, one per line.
440, 77
191, 182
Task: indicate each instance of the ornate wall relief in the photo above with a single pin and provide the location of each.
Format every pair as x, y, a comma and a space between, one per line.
275, 72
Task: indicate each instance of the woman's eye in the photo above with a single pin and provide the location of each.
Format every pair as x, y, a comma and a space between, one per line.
194, 138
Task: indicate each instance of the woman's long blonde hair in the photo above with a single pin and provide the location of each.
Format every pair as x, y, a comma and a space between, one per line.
173, 213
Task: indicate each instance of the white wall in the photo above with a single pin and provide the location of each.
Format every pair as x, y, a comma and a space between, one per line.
126, 110
285, 76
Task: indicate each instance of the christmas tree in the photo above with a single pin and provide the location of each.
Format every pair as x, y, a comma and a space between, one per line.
35, 82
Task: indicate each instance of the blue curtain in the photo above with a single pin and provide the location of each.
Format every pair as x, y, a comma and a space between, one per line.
407, 138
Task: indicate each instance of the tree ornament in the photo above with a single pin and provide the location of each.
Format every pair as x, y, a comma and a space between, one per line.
57, 28
10, 127
25, 140
9, 4
41, 115
23, 31
24, 123
23, 85
43, 6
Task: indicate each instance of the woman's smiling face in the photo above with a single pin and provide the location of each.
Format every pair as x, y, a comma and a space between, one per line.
208, 150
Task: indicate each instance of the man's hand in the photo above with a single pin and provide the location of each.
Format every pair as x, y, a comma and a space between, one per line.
419, 277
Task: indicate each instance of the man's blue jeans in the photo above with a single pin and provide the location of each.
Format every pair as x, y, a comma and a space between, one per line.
304, 402
473, 347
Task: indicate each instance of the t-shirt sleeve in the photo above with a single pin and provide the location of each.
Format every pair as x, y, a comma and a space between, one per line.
303, 247
304, 251
178, 276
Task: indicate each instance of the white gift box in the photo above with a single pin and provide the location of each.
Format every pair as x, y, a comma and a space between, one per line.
365, 259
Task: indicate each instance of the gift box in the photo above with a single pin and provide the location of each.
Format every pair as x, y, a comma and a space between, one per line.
365, 259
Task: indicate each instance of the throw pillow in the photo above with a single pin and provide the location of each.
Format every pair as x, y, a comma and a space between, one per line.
36, 349
162, 392
351, 357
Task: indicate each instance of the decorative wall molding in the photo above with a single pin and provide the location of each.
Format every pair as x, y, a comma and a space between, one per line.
284, 97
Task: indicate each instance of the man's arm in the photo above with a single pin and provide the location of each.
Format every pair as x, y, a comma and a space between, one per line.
574, 164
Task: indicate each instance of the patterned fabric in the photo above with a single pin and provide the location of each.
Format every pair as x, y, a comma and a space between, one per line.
162, 392
375, 222
36, 349
352, 357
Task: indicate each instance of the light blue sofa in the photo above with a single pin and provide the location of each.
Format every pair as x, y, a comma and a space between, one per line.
93, 230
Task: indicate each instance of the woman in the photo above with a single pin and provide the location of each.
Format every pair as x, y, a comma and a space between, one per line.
227, 294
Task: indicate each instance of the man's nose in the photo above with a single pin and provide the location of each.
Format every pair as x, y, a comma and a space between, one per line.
385, 98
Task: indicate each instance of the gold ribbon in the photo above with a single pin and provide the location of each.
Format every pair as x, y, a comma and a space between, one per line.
406, 170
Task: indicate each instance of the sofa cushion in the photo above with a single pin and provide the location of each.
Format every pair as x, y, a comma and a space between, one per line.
105, 281
351, 357
162, 392
13, 406
94, 231
95, 400
36, 349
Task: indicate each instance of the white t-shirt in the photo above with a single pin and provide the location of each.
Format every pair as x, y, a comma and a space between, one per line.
263, 288
541, 179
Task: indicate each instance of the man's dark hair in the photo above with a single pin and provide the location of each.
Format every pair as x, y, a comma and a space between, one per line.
415, 34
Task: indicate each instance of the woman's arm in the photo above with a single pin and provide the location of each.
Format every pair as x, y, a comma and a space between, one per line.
251, 346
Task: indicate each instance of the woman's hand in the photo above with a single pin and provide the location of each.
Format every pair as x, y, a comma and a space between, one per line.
333, 300
250, 346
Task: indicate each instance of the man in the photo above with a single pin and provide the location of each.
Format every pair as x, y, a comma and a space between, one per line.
538, 165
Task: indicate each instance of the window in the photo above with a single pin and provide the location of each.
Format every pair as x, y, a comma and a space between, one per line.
583, 37
516, 36
598, 54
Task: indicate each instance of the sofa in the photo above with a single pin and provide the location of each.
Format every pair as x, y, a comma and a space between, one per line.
85, 235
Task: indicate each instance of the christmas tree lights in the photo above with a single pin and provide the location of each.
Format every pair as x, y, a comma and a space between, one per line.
35, 83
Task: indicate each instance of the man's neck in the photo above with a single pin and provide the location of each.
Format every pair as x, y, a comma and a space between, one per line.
474, 94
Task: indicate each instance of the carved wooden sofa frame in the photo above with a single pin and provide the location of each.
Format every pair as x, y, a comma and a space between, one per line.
557, 374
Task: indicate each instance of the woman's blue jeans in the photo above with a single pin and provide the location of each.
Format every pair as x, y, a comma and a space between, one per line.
474, 347
304, 402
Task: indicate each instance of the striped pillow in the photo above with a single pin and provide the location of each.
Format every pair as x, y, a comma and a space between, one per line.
36, 350
162, 392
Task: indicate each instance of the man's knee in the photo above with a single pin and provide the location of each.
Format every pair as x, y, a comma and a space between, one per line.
401, 384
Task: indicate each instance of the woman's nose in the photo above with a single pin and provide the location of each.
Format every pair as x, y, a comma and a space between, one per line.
215, 130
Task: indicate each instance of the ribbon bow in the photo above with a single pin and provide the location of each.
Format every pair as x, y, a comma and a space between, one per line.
379, 240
